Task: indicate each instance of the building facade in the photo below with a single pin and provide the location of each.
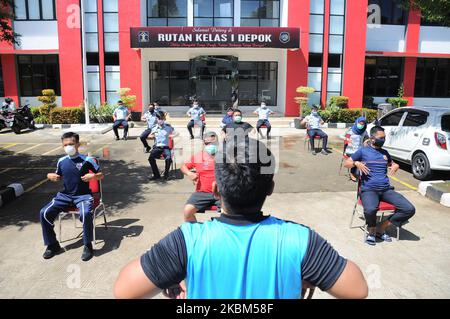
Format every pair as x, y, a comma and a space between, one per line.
361, 49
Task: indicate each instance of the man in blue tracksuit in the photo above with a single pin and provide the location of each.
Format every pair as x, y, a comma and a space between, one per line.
243, 253
76, 171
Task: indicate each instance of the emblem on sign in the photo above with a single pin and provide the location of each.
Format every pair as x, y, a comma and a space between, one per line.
144, 36
285, 37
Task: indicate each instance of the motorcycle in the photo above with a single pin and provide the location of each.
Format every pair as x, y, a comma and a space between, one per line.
18, 120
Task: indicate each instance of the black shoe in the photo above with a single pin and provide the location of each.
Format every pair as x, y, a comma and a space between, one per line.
117, 138
313, 152
147, 149
155, 178
192, 137
88, 252
125, 138
52, 250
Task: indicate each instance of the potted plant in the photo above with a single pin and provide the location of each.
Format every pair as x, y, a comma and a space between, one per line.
302, 102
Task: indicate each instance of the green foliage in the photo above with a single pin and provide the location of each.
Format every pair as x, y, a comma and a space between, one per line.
434, 11
350, 115
330, 113
303, 100
126, 98
397, 101
48, 99
41, 119
67, 115
401, 91
339, 101
7, 33
102, 114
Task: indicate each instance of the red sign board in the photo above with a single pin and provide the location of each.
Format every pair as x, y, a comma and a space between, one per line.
215, 37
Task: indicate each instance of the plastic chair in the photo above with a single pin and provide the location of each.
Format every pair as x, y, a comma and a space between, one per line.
316, 137
260, 132
98, 209
383, 208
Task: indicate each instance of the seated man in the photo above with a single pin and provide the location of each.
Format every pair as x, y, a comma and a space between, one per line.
121, 116
196, 113
237, 128
150, 118
203, 178
263, 113
228, 118
313, 122
75, 172
243, 253
373, 161
161, 133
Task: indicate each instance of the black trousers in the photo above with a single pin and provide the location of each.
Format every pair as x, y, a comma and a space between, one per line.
261, 123
317, 132
156, 154
144, 136
191, 124
118, 123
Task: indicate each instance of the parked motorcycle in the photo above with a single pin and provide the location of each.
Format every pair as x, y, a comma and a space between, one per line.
20, 119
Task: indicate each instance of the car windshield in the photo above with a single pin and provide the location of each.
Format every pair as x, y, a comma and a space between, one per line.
445, 122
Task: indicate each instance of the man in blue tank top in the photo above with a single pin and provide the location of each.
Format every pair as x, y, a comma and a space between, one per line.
243, 253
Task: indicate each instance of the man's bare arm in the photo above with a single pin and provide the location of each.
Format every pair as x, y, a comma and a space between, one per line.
350, 284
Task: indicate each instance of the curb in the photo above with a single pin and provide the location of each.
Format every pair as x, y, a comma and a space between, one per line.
427, 189
10, 193
329, 125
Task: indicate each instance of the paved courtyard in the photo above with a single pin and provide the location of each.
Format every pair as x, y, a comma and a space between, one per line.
308, 190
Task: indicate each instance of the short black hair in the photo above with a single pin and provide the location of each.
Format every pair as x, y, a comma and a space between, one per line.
244, 173
314, 107
237, 110
160, 115
70, 135
374, 130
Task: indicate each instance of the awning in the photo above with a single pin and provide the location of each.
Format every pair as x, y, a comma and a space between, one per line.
215, 37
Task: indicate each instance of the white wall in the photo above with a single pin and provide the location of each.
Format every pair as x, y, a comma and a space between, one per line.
37, 35
445, 102
33, 101
389, 38
175, 54
434, 40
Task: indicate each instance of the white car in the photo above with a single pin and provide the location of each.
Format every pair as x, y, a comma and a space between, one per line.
419, 136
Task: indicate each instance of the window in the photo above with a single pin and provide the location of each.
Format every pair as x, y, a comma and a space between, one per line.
2, 86
258, 82
112, 77
392, 119
315, 77
391, 12
34, 10
166, 12
383, 76
415, 118
213, 13
91, 25
111, 25
445, 123
260, 13
38, 72
169, 82
316, 21
432, 78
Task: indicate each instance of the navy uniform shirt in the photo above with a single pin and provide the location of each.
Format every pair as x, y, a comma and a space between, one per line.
377, 161
71, 169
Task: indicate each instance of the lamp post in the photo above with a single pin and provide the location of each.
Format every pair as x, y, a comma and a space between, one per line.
83, 51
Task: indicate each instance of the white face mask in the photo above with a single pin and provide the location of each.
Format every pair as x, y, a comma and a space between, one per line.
70, 150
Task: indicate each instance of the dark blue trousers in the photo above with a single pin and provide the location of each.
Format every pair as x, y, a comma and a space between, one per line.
58, 204
261, 123
118, 123
404, 210
317, 132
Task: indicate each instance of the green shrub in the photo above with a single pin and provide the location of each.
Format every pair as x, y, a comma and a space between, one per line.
102, 114
350, 115
397, 101
67, 115
330, 113
339, 101
41, 119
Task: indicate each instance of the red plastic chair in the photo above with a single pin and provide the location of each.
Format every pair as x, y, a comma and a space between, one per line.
383, 208
316, 137
98, 209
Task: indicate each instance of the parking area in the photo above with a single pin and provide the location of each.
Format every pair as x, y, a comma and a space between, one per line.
309, 190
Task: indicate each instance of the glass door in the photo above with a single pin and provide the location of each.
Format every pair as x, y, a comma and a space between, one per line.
213, 81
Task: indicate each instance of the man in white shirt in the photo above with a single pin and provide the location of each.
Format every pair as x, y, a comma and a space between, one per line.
263, 113
121, 117
196, 112
313, 122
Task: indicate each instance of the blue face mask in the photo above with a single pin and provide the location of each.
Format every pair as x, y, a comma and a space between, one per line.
211, 149
378, 142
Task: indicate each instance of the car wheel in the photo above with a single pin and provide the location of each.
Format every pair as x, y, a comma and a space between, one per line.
421, 167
